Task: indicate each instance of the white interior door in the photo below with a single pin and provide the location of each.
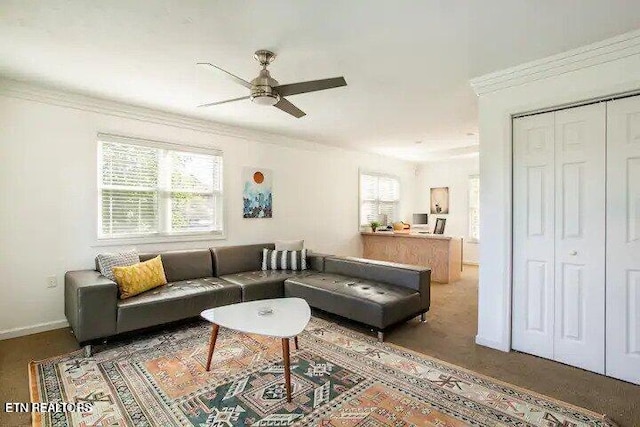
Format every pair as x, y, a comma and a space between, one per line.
533, 232
580, 236
623, 239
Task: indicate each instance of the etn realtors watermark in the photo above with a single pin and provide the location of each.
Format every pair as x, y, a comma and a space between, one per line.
48, 407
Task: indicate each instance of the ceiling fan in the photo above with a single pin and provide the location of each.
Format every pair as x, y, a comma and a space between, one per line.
265, 90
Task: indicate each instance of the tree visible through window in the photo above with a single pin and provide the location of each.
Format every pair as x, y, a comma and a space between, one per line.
147, 190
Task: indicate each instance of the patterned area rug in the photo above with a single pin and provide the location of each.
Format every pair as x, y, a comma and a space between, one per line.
339, 378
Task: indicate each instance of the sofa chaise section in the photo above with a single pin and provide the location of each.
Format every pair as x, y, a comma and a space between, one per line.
376, 294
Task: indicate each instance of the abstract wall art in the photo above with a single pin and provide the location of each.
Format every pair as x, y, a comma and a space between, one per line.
257, 193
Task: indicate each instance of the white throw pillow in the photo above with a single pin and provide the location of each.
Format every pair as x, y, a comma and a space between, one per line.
106, 262
289, 245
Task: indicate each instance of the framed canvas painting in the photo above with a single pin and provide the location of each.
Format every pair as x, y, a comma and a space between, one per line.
440, 200
257, 193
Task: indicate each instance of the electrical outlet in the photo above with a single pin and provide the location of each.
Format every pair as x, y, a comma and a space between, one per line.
52, 282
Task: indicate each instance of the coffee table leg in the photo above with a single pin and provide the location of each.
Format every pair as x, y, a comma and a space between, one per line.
287, 367
295, 340
212, 343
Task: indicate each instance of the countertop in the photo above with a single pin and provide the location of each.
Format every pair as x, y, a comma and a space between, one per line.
408, 235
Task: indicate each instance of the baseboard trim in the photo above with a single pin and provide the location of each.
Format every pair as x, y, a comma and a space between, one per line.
33, 329
491, 344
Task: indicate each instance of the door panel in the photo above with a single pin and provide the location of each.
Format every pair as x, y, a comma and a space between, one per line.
533, 228
623, 239
535, 200
536, 297
579, 236
572, 198
572, 302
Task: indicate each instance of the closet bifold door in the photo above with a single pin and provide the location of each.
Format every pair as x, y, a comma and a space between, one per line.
579, 320
533, 235
623, 239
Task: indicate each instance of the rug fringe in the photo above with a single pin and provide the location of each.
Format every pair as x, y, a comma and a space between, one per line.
34, 395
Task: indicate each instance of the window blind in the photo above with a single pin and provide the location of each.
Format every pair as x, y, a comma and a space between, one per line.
147, 190
379, 198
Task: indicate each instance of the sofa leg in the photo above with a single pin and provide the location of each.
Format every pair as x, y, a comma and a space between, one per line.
87, 350
380, 336
423, 317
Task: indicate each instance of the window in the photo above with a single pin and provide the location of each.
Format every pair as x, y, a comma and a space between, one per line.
379, 198
155, 189
474, 208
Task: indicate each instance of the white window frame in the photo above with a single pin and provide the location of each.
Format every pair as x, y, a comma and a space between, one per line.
160, 236
362, 172
471, 238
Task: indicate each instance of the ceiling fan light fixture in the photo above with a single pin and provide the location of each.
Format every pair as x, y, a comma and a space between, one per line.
265, 90
268, 99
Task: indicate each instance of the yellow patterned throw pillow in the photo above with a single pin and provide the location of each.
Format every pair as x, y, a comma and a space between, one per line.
137, 278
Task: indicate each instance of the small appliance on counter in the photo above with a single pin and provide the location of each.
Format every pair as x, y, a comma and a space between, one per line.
420, 223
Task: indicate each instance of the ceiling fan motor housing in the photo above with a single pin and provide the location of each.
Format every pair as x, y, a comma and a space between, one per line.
266, 90
262, 89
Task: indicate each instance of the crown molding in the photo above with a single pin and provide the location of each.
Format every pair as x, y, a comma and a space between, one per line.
48, 95
608, 50
452, 153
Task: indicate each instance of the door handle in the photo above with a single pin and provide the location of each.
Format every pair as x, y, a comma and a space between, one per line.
573, 253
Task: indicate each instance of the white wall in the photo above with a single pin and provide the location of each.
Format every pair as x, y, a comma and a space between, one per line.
454, 174
601, 70
49, 196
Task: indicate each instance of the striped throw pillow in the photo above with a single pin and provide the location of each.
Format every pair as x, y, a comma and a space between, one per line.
284, 260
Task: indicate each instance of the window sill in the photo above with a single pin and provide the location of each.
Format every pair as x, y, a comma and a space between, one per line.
157, 239
474, 241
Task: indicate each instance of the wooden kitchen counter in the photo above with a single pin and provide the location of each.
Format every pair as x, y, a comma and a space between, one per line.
443, 254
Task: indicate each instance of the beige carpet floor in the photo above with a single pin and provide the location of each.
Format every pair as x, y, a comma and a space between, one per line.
448, 335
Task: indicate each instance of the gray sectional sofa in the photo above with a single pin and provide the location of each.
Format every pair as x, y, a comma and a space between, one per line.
377, 294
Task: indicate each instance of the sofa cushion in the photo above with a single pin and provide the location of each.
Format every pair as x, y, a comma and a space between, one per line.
262, 284
370, 302
315, 260
289, 245
138, 278
408, 276
184, 265
237, 259
105, 262
175, 301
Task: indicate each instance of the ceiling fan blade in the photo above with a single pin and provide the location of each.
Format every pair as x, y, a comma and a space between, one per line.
288, 107
223, 102
310, 86
232, 76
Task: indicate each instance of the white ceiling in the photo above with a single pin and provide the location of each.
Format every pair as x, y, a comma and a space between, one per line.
407, 63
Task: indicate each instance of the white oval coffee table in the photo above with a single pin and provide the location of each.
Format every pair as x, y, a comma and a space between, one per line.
282, 318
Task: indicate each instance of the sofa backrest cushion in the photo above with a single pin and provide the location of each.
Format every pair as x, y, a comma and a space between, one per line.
237, 259
407, 276
315, 260
184, 265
